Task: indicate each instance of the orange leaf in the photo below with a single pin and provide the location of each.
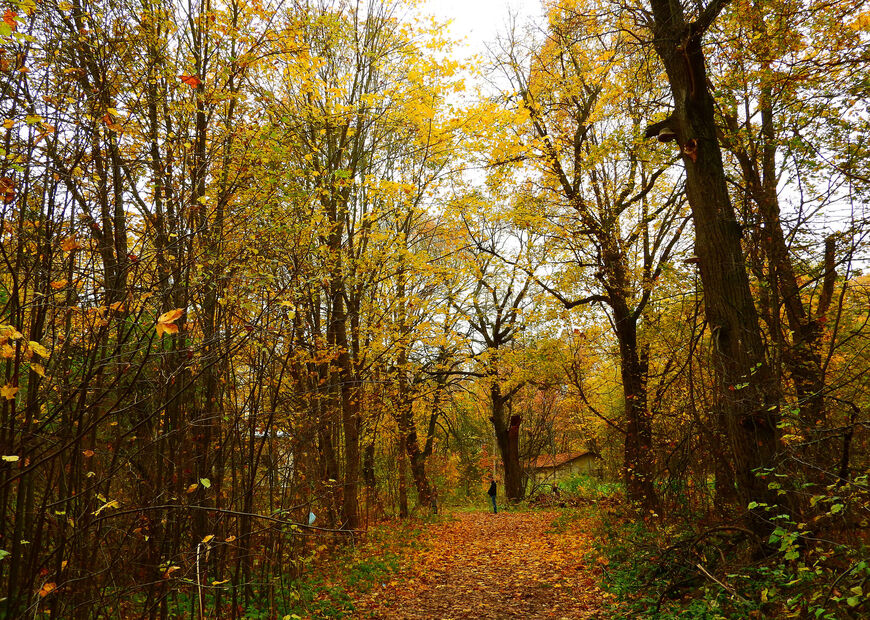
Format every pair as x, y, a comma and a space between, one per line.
190, 80
170, 570
88, 453
9, 18
166, 322
47, 588
168, 328
7, 190
171, 316
69, 244
59, 284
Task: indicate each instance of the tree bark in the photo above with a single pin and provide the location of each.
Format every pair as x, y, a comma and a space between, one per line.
507, 438
746, 389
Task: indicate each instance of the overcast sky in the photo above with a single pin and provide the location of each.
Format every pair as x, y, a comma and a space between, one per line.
479, 21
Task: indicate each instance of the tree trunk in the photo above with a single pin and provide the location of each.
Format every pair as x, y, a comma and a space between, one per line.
638, 463
507, 438
745, 386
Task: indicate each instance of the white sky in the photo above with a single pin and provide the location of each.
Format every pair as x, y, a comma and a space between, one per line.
479, 21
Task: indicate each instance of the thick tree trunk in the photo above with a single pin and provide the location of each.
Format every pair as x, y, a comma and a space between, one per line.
746, 388
507, 438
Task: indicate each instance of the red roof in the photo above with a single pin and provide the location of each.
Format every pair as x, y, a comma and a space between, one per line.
548, 460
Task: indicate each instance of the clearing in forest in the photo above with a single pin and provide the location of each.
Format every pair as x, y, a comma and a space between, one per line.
506, 565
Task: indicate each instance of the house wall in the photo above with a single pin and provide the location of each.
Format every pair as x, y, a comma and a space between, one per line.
587, 464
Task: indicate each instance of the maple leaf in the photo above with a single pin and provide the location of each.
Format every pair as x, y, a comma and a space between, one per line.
190, 80
166, 322
8, 391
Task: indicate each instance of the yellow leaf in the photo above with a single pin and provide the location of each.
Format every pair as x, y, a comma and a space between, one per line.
38, 369
88, 453
12, 458
8, 123
8, 391
207, 539
220, 583
37, 348
112, 504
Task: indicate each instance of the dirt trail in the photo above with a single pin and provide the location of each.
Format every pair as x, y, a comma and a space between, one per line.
509, 565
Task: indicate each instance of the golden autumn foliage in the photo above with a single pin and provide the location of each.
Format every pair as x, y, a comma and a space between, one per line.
273, 271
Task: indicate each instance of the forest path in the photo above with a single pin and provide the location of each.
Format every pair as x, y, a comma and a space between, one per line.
481, 565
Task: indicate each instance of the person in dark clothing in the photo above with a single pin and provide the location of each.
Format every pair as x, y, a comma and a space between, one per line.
492, 492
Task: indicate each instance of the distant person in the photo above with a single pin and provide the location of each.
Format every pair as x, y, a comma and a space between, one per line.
492, 492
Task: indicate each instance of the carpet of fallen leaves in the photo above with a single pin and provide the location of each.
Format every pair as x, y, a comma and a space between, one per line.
481, 565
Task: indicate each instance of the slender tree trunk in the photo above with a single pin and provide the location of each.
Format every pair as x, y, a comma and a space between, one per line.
403, 477
638, 462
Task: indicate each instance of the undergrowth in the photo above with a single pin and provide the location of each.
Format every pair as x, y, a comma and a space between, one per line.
330, 574
662, 569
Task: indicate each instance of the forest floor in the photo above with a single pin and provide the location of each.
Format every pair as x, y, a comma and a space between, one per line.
529, 564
